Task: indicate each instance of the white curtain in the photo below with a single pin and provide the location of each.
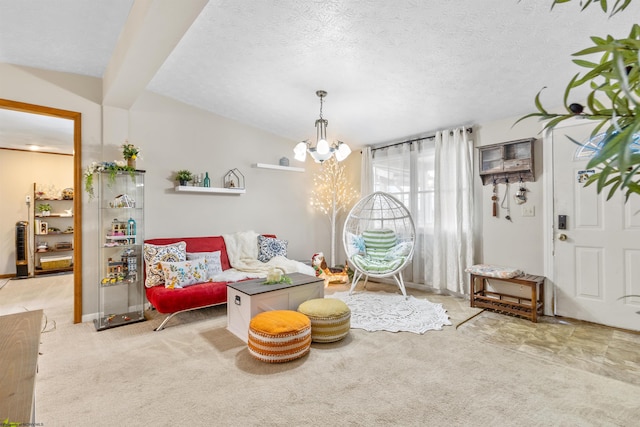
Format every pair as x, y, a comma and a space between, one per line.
453, 205
395, 171
366, 180
433, 177
422, 211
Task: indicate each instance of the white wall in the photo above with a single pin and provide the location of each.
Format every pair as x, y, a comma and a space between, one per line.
19, 171
175, 136
73, 93
518, 243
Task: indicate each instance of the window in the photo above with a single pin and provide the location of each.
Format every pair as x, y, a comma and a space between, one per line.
407, 172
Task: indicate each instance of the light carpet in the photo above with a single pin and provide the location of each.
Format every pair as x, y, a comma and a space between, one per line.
196, 373
383, 311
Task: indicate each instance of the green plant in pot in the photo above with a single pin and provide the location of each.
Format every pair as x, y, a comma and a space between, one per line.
184, 176
44, 209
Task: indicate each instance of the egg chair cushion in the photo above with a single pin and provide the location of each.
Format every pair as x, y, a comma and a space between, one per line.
375, 265
378, 242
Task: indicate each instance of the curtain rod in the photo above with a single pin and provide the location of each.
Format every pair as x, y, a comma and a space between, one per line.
411, 141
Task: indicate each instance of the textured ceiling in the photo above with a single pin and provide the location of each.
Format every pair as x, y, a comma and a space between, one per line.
392, 69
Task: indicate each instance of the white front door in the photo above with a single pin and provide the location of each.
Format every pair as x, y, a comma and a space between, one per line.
597, 254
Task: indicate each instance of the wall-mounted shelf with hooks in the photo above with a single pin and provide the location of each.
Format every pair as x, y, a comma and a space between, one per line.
277, 167
507, 162
215, 190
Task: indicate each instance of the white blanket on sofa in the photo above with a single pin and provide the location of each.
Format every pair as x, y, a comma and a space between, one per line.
242, 250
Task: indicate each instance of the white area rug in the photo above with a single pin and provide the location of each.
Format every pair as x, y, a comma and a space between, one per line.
382, 311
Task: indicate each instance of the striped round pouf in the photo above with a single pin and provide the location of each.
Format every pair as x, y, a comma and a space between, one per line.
330, 318
279, 336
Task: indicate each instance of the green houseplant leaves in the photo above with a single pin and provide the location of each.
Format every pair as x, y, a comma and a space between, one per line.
613, 102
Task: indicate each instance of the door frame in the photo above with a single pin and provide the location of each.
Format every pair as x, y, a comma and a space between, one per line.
77, 186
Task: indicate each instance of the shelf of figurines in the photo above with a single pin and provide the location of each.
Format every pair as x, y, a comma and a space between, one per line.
115, 281
215, 190
113, 320
120, 241
277, 167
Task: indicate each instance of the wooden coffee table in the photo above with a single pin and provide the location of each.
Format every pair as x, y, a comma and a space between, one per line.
248, 298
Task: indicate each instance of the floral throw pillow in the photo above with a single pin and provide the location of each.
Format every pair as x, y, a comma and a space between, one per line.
155, 254
182, 274
268, 247
214, 266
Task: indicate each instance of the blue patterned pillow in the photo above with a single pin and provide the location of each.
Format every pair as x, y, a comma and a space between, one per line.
268, 247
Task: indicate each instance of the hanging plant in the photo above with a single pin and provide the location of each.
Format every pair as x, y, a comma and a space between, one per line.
111, 167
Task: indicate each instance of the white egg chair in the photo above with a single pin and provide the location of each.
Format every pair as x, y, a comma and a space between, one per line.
379, 238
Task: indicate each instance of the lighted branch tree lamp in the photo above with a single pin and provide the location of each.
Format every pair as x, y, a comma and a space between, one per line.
332, 195
322, 151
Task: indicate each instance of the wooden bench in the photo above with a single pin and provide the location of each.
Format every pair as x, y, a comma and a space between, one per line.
527, 307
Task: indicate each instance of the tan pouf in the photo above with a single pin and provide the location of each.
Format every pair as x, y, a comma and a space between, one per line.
279, 336
330, 318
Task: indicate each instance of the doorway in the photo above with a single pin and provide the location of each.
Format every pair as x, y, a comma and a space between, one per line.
75, 117
595, 243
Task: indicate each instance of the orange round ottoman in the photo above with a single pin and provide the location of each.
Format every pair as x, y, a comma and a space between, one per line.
279, 336
330, 318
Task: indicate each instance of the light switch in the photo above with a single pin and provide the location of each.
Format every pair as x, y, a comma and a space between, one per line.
528, 210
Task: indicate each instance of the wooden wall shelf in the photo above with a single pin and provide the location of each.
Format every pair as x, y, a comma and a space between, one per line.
214, 190
507, 162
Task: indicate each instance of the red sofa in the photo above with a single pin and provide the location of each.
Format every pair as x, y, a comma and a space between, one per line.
174, 301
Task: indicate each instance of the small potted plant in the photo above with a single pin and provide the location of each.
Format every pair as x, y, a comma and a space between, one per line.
184, 176
44, 209
130, 153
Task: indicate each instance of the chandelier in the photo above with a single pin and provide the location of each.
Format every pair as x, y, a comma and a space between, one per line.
322, 150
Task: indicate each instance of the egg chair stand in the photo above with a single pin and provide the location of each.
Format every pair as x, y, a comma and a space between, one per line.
379, 239
357, 275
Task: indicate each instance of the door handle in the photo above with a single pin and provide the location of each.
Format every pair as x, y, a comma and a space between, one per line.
562, 237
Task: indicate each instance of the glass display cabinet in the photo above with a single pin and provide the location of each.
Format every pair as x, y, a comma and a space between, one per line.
121, 237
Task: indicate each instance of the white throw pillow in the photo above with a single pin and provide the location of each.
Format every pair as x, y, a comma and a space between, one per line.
214, 266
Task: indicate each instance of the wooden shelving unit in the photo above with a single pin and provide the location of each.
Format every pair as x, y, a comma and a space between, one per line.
58, 219
527, 307
507, 162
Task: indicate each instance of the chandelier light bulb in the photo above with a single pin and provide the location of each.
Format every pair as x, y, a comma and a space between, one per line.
322, 146
342, 152
300, 151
